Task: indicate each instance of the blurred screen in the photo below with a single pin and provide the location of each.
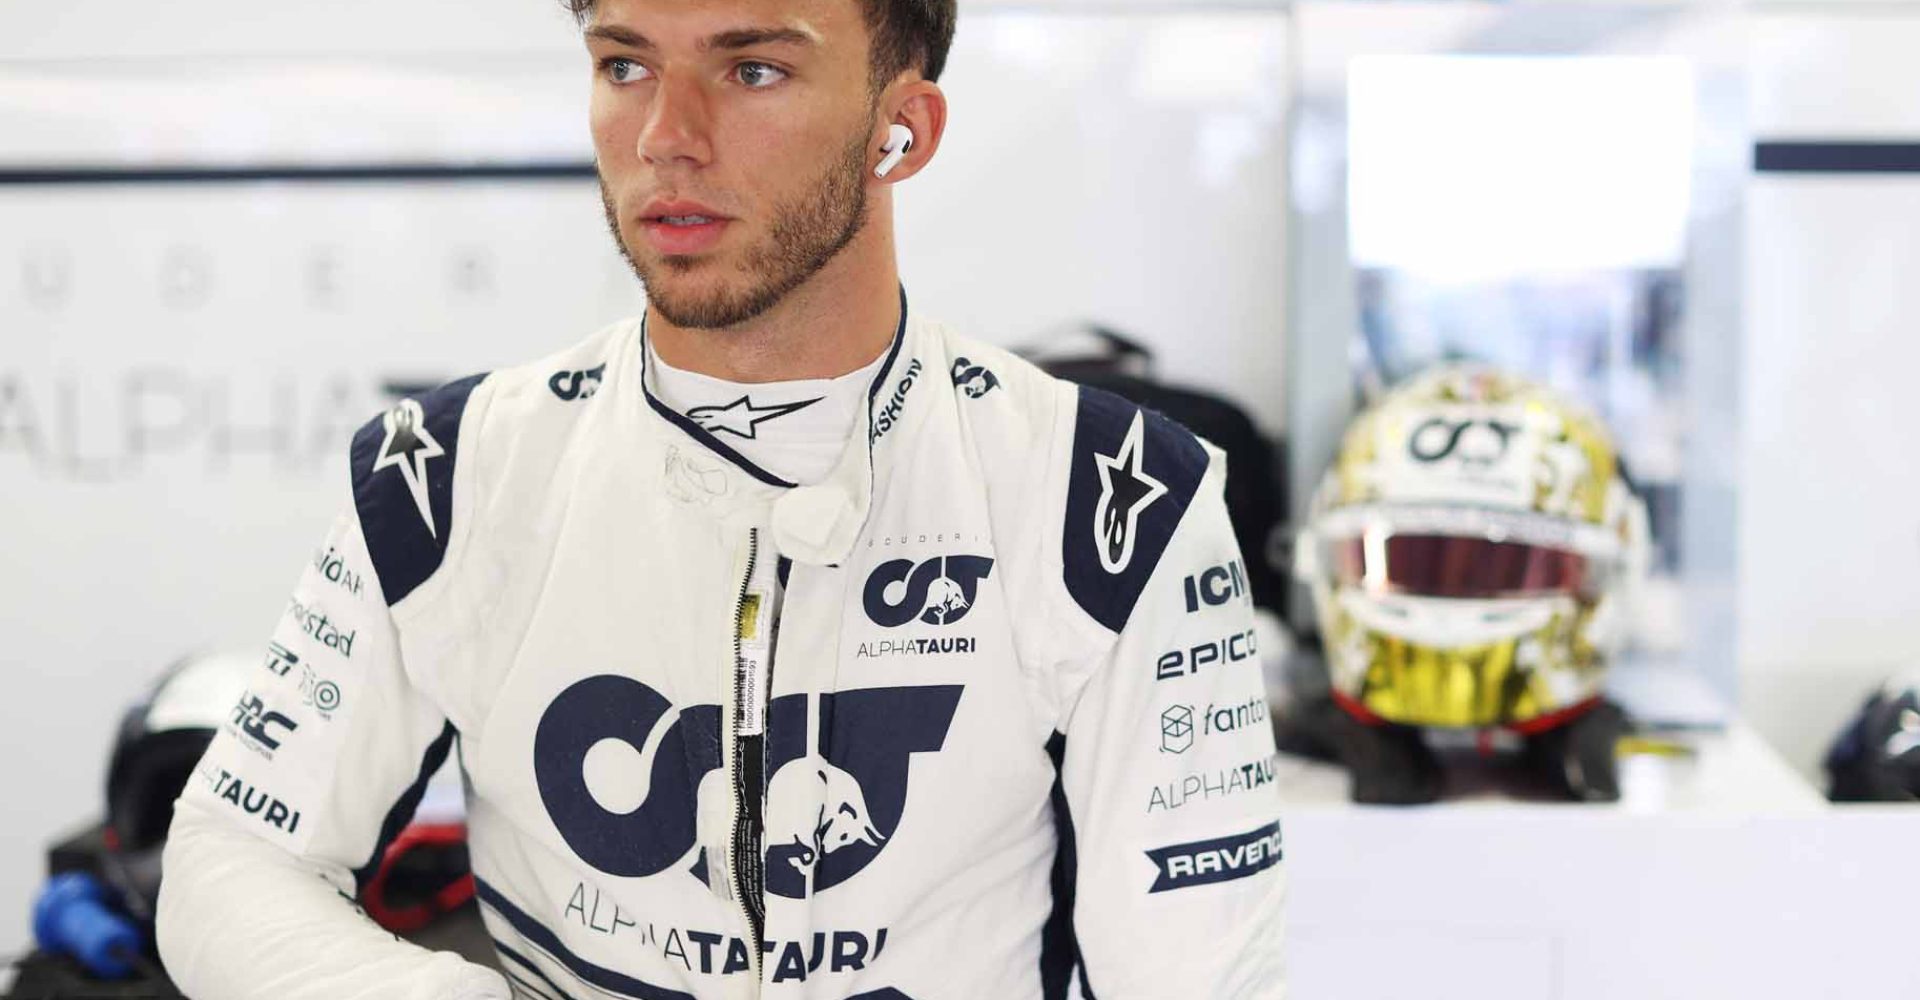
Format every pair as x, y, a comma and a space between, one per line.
1467, 166
1531, 212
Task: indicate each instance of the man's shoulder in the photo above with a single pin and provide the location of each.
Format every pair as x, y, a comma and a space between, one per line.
552, 384
1104, 481
1060, 422
506, 401
1007, 401
413, 466
1131, 475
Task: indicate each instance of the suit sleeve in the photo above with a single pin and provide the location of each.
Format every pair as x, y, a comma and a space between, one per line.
1166, 756
320, 763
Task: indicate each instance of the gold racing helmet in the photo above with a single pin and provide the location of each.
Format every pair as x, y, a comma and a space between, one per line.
1473, 554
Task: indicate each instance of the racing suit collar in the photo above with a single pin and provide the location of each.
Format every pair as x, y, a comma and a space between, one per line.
819, 523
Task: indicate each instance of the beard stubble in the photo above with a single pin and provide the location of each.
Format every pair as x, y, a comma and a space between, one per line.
808, 231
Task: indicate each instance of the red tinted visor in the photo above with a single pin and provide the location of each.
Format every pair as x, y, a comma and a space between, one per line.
1456, 566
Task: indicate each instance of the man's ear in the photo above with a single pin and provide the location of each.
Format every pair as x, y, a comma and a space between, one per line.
921, 106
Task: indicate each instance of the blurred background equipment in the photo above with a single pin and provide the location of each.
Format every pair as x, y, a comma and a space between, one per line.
93, 917
423, 875
1473, 556
1525, 195
1876, 758
161, 738
74, 918
93, 921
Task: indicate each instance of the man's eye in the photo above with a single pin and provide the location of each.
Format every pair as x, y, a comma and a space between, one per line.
758, 74
622, 70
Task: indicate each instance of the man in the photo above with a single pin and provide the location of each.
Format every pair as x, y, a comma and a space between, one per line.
791, 645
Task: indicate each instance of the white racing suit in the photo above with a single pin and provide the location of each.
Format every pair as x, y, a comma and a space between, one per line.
1013, 743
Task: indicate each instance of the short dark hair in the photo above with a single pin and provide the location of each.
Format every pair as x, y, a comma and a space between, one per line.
906, 34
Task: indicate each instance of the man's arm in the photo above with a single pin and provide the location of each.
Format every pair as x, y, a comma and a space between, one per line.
323, 759
1167, 754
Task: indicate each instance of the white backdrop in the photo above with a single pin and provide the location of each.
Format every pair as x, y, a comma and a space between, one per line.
1829, 529
181, 364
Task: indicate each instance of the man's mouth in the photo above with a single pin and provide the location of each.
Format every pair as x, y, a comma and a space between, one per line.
682, 228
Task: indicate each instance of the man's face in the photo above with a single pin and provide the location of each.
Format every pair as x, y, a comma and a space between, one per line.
732, 145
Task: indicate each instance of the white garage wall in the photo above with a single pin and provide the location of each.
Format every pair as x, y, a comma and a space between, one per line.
1829, 530
180, 369
180, 366
101, 30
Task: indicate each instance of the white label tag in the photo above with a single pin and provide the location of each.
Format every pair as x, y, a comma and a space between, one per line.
756, 643
751, 715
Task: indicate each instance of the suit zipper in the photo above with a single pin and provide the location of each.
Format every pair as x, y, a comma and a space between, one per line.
748, 869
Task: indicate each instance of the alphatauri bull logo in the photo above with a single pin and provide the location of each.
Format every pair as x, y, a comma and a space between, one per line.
945, 602
839, 764
821, 809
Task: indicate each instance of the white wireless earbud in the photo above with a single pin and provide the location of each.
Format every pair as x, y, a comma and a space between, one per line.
899, 140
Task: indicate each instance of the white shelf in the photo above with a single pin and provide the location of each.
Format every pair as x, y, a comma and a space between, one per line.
1718, 875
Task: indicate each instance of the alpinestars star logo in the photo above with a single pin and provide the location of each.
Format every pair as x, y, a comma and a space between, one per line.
408, 447
1125, 491
741, 418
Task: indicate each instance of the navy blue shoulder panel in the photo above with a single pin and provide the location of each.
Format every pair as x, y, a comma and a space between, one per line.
1134, 472
402, 465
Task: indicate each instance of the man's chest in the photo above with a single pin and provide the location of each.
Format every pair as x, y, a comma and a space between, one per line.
895, 722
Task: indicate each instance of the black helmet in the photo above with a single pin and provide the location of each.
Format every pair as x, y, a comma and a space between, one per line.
161, 739
1877, 756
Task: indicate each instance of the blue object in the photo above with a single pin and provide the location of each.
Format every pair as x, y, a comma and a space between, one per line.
72, 917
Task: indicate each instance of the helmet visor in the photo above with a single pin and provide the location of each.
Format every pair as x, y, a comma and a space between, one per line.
1428, 565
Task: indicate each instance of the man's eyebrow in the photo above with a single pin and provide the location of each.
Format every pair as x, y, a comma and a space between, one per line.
738, 38
743, 38
623, 36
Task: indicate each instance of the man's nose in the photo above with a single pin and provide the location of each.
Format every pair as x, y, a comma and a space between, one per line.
677, 126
